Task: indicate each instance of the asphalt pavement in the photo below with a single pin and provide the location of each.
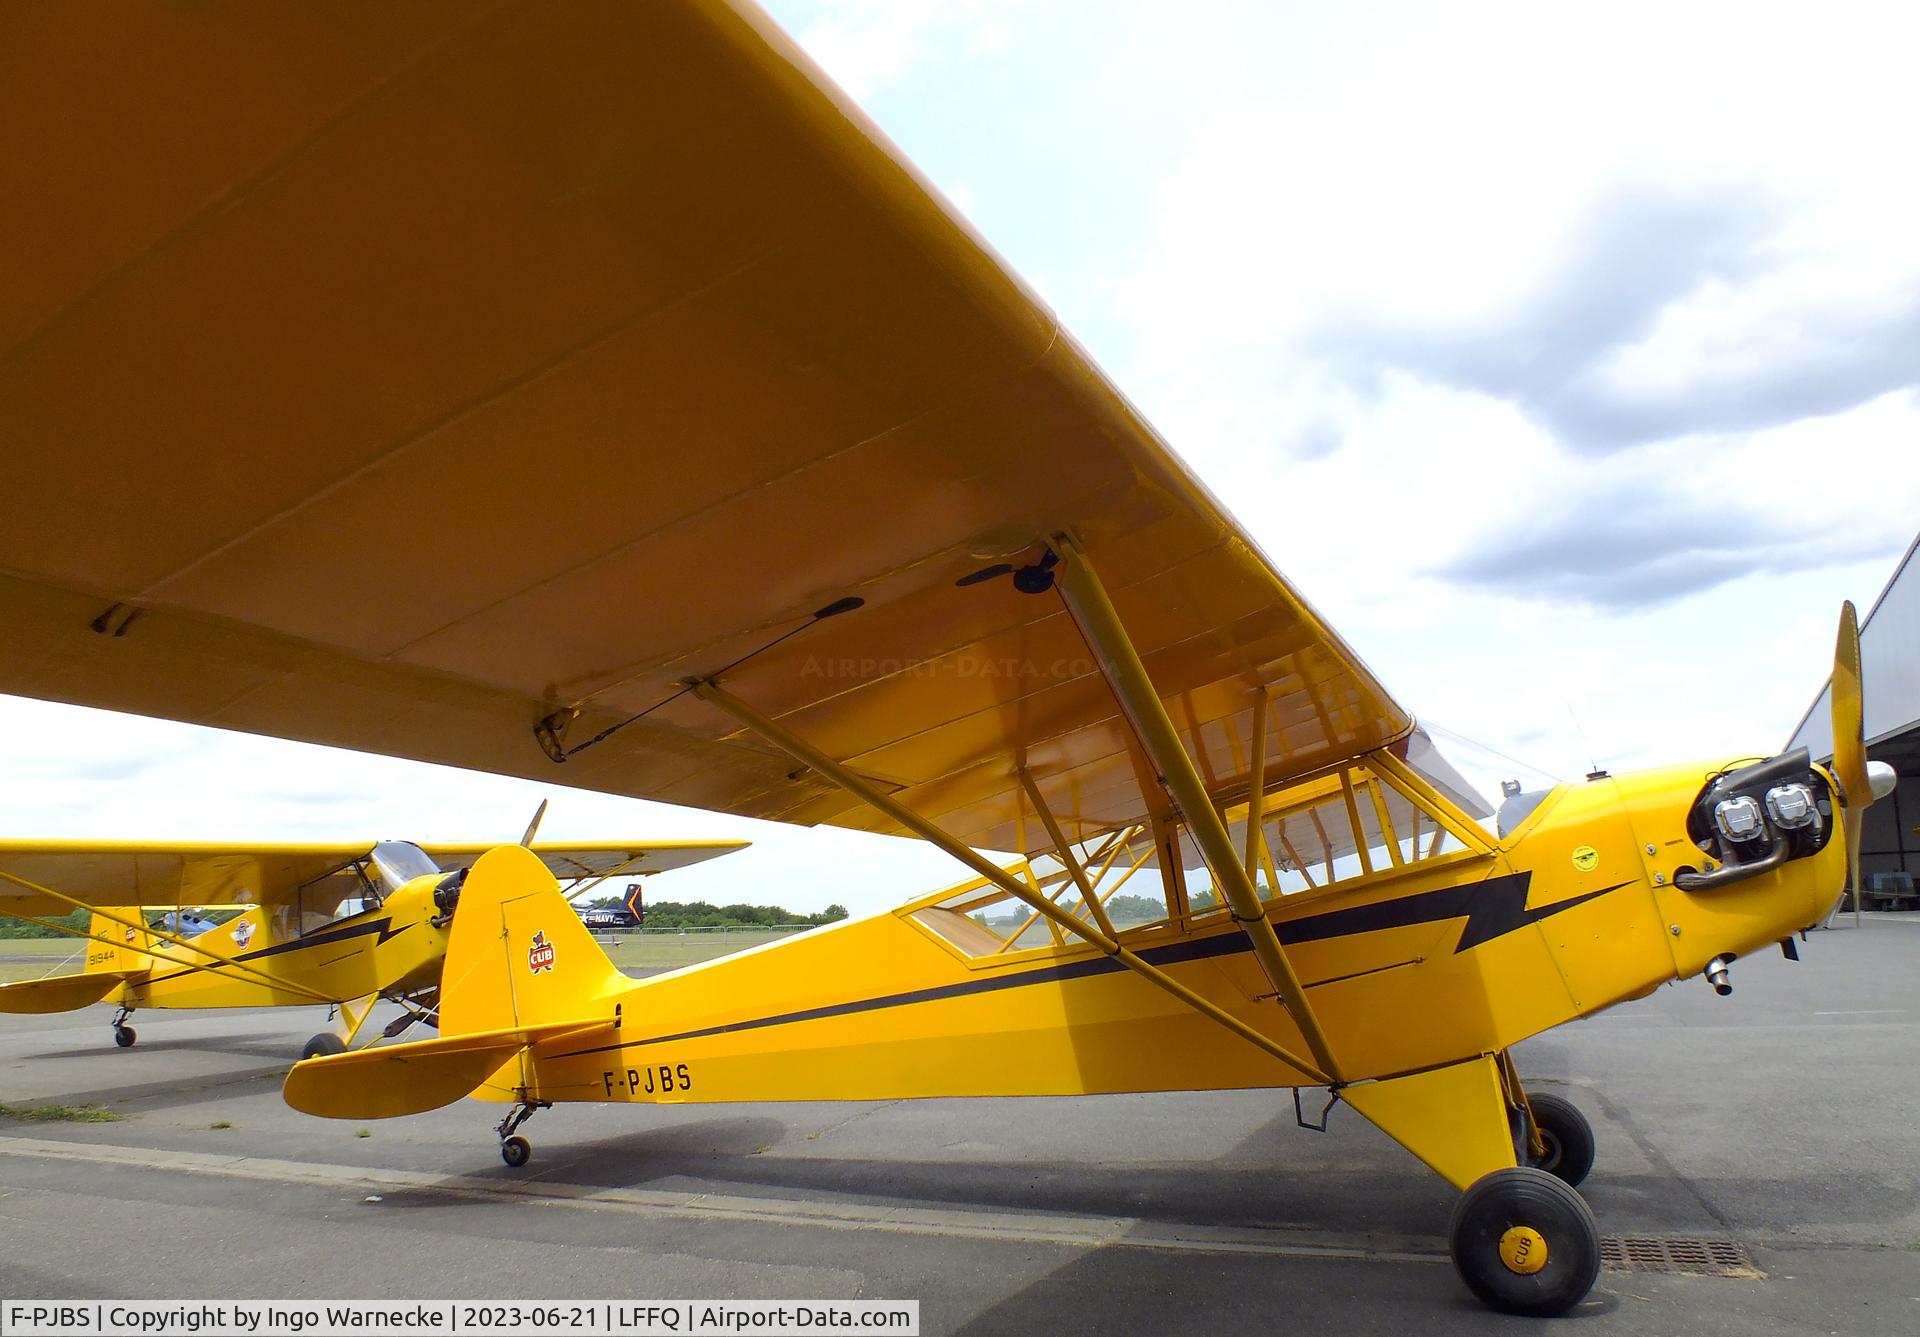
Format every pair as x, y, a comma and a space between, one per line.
1782, 1120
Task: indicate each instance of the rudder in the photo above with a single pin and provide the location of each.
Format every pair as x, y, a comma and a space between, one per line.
113, 946
518, 954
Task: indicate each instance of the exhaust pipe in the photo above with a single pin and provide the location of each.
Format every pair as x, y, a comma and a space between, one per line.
1717, 975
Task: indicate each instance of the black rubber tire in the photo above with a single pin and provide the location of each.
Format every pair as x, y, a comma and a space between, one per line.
515, 1151
323, 1044
1569, 1139
1525, 1196
124, 1036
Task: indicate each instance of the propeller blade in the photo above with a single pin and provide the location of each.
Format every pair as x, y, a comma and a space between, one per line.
1850, 741
534, 825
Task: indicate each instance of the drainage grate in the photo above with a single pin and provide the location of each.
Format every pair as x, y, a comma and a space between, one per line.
1676, 1254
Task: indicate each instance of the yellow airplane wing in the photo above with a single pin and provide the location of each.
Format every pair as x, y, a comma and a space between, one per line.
180, 875
156, 875
578, 862
454, 383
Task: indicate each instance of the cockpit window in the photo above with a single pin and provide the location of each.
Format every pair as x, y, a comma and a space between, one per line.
398, 862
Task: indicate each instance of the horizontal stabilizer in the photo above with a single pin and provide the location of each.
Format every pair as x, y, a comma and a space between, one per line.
389, 1081
61, 993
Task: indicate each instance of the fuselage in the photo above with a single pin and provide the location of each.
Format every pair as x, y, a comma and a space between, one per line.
1418, 964
394, 947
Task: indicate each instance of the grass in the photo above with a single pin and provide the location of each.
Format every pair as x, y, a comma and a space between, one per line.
668, 950
364, 1132
59, 1113
30, 958
218, 1124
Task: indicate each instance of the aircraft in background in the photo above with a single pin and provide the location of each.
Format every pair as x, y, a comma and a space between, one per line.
336, 924
592, 392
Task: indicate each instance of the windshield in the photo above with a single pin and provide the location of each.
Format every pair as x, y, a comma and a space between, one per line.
400, 862
1474, 776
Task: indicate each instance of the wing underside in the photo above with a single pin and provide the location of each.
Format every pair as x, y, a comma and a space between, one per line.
402, 378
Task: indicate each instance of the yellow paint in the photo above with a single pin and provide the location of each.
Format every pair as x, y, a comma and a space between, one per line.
1453, 1118
1524, 1250
881, 1008
282, 951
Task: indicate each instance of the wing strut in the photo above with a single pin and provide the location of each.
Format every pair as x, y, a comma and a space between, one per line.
800, 750
223, 962
1086, 598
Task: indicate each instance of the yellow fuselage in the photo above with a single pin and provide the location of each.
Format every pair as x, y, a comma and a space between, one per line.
395, 948
1441, 961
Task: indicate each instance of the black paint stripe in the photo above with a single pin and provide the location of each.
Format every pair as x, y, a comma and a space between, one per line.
1426, 907
318, 939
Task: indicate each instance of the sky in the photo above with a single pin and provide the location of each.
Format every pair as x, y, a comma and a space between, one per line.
1566, 357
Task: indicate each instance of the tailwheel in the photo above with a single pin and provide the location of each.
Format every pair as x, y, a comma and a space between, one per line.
323, 1044
1525, 1242
517, 1151
123, 1034
1566, 1138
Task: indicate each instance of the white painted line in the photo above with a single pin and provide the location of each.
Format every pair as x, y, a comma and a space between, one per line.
1867, 1012
1034, 1227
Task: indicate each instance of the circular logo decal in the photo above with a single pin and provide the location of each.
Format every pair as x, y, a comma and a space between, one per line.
1524, 1250
1586, 858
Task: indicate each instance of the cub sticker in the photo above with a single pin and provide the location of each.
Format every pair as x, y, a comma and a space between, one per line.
1586, 858
242, 933
540, 953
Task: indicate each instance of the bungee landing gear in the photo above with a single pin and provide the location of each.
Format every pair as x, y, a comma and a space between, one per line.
514, 1150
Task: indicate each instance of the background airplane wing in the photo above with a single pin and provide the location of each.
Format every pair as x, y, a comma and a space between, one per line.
128, 873
400, 377
569, 863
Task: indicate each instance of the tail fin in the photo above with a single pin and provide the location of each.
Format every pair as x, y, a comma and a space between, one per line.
518, 955
520, 968
116, 947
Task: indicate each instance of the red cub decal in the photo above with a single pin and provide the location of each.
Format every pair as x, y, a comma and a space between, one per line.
540, 953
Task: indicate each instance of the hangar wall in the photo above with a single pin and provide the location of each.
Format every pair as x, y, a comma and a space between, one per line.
1890, 666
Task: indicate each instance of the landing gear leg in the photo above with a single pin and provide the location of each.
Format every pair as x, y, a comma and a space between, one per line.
1521, 1238
1550, 1132
514, 1150
123, 1034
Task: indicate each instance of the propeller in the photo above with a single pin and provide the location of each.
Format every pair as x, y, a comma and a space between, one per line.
533, 827
1850, 742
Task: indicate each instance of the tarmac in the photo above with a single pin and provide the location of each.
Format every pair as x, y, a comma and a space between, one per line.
1781, 1119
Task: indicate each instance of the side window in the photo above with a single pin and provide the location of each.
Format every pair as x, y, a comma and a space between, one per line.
982, 919
1358, 822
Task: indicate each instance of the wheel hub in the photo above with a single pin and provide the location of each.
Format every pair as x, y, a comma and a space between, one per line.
1524, 1250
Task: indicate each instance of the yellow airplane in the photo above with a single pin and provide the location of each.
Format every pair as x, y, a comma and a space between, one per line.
593, 393
341, 925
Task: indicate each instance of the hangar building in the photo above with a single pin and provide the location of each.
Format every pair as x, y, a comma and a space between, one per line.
1890, 667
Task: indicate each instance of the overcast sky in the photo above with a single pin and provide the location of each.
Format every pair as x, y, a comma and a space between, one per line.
1568, 358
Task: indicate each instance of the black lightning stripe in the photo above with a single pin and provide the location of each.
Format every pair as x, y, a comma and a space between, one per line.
383, 927
1492, 909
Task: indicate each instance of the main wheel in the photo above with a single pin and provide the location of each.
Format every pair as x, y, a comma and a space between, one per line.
324, 1044
124, 1036
516, 1151
1568, 1138
1525, 1243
